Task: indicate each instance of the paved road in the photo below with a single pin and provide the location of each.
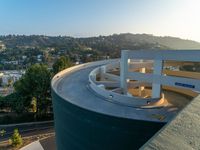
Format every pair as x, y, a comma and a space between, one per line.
28, 129
49, 143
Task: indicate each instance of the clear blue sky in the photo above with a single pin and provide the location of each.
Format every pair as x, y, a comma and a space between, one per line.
82, 18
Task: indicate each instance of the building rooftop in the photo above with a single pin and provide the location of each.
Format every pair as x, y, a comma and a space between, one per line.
182, 132
79, 93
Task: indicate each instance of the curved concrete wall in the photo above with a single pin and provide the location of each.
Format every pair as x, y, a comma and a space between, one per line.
81, 129
113, 96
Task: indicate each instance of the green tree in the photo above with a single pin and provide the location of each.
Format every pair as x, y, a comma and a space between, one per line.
34, 104
16, 102
35, 83
1, 81
61, 64
16, 139
2, 132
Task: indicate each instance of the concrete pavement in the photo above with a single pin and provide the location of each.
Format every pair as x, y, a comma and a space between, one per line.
33, 146
183, 132
44, 144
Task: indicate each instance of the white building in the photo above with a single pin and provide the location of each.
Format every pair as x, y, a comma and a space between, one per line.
10, 76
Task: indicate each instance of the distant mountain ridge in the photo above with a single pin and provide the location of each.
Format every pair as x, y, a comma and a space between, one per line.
102, 43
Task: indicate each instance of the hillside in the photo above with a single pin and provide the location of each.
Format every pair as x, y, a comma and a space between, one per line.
171, 42
101, 43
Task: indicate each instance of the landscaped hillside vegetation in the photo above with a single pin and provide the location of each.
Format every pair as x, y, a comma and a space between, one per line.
116, 41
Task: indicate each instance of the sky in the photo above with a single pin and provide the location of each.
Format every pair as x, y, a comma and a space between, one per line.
84, 18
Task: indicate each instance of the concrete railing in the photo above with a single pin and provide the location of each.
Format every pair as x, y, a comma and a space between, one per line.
99, 88
157, 78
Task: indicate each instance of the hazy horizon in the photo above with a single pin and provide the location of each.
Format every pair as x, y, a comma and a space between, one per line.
89, 18
97, 35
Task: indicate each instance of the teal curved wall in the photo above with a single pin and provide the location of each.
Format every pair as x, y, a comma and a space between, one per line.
81, 129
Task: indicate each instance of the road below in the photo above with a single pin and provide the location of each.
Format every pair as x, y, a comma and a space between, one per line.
27, 129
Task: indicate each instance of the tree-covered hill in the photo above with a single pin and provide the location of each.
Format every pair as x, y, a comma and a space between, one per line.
100, 43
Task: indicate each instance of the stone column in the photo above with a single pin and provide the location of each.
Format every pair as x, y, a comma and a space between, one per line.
141, 88
157, 70
124, 70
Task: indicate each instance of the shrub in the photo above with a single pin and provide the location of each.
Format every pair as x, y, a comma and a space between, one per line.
16, 139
